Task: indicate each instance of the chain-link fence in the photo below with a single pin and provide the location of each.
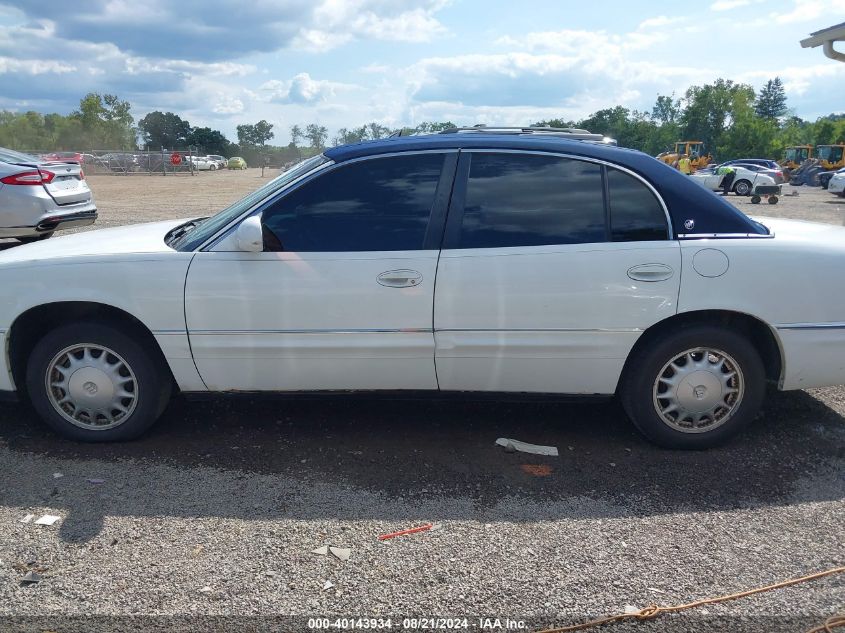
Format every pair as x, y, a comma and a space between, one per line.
138, 162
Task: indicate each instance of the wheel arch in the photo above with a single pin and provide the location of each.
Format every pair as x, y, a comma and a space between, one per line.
762, 336
29, 326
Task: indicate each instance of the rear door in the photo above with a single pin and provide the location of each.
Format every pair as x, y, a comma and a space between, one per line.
551, 269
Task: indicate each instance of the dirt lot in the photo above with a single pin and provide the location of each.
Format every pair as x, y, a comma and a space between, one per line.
215, 512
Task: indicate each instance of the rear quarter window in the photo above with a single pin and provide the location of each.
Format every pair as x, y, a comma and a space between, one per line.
636, 215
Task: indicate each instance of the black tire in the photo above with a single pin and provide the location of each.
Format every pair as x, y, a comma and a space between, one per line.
153, 379
773, 200
29, 239
742, 188
755, 199
642, 370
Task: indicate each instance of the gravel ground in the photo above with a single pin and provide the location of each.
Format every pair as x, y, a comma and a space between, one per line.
208, 522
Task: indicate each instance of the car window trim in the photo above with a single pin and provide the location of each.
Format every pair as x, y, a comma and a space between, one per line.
331, 165
456, 207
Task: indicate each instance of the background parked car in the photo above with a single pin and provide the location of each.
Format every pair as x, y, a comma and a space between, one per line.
837, 182
776, 174
38, 198
64, 157
219, 160
236, 162
121, 162
763, 162
825, 177
202, 163
745, 179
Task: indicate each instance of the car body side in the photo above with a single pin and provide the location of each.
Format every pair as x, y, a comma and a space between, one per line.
787, 285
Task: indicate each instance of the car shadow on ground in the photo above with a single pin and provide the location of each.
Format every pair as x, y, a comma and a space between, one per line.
415, 456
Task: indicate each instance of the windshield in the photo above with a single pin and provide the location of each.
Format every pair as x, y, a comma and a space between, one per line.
207, 228
830, 153
11, 156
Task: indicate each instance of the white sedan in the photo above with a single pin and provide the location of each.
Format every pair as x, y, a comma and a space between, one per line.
836, 184
745, 179
507, 263
203, 163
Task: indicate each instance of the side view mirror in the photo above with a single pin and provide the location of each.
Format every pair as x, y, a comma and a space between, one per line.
249, 236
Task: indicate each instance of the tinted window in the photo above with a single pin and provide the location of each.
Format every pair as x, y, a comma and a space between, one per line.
531, 200
635, 212
381, 204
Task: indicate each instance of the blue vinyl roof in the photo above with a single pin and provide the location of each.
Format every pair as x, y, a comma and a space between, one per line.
686, 200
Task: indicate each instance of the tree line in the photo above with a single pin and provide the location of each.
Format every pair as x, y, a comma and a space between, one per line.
731, 118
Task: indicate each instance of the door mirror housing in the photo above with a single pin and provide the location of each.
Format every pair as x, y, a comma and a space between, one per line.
249, 236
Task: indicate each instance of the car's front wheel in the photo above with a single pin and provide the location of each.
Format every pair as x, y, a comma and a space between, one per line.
93, 382
694, 388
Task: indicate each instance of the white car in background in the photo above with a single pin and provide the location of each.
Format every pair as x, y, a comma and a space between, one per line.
202, 163
218, 160
745, 179
837, 183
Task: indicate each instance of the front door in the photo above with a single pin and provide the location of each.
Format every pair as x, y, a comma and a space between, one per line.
552, 267
342, 296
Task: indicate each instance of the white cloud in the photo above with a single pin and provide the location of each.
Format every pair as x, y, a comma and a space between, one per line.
34, 66
807, 10
227, 104
301, 89
336, 22
727, 5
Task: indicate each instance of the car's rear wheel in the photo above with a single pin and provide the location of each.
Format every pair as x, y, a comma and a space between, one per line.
29, 239
92, 382
694, 388
742, 188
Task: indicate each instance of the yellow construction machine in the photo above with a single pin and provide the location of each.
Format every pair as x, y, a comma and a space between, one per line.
694, 150
831, 157
795, 155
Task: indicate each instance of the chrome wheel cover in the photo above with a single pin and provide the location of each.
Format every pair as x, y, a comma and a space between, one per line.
698, 390
91, 386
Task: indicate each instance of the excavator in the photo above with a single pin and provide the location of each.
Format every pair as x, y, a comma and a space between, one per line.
694, 150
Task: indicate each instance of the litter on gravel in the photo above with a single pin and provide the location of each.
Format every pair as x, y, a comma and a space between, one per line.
28, 518
31, 578
525, 447
342, 553
96, 481
322, 551
47, 519
422, 528
328, 585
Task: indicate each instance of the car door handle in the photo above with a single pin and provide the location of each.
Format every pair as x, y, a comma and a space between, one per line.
650, 272
400, 278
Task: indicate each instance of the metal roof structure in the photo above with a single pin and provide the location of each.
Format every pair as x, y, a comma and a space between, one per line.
826, 38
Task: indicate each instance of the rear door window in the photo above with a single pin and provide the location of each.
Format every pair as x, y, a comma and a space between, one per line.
531, 200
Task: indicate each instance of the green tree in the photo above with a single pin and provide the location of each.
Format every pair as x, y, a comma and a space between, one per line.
255, 135
164, 129
771, 101
708, 109
296, 135
431, 127
209, 141
316, 135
